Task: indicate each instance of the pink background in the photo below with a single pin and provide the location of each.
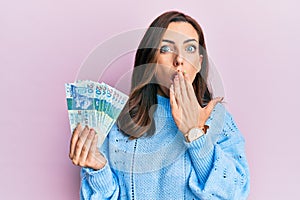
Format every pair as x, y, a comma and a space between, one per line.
254, 44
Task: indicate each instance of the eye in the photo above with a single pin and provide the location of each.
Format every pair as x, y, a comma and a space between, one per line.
191, 49
165, 49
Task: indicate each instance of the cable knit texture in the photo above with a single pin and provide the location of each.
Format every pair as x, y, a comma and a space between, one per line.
165, 166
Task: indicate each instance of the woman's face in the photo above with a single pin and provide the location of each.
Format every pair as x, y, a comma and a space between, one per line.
178, 50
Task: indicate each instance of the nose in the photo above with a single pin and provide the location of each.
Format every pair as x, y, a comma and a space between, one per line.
178, 61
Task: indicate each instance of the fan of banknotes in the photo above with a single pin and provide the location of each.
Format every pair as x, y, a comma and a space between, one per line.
97, 105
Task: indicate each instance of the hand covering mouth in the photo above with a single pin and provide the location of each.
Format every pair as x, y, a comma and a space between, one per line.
173, 76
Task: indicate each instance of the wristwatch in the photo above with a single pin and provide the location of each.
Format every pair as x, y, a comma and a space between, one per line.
195, 133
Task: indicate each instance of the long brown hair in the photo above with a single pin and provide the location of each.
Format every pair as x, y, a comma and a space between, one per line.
136, 118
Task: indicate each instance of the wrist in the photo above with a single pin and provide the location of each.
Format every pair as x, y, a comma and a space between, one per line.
195, 133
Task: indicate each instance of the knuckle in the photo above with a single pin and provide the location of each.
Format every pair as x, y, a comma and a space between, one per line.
75, 154
74, 161
82, 164
78, 144
84, 149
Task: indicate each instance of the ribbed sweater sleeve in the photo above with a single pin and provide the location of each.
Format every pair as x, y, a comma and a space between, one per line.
220, 170
99, 184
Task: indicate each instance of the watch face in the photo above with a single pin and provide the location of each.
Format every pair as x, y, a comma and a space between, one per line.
195, 133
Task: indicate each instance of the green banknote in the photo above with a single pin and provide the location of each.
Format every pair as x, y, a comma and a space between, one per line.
95, 104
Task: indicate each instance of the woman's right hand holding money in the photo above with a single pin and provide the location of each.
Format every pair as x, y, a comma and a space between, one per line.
83, 148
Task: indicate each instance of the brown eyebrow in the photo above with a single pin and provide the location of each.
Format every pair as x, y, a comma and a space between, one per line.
186, 41
190, 40
169, 41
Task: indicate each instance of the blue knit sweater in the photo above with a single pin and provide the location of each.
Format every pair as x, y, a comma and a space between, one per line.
166, 167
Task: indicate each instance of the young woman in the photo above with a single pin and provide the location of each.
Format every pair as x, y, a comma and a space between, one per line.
172, 140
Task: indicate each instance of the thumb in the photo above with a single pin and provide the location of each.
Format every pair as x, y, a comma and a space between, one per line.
210, 106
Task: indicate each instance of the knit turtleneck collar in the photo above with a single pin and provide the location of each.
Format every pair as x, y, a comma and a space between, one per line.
163, 108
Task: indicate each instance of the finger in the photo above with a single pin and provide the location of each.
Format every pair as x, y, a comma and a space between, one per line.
177, 89
93, 151
182, 86
189, 87
74, 139
172, 98
86, 147
79, 144
93, 148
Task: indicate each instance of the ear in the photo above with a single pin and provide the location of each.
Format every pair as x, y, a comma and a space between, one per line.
200, 59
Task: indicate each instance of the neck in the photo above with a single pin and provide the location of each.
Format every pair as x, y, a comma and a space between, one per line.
163, 91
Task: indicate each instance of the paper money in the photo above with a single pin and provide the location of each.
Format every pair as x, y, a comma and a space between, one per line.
97, 105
